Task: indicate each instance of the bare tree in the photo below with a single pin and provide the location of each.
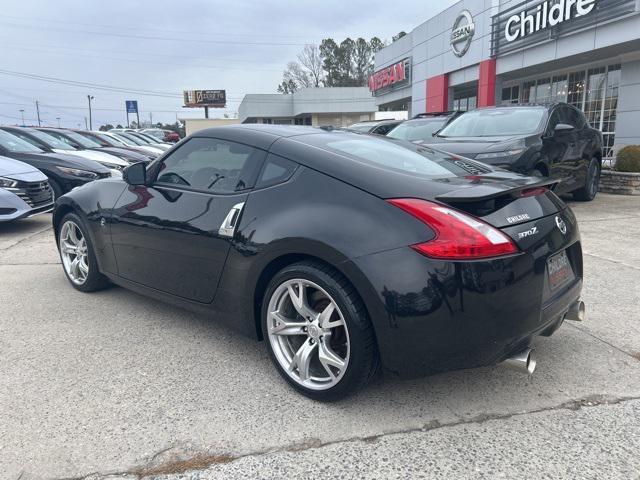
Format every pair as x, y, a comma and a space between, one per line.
296, 73
311, 60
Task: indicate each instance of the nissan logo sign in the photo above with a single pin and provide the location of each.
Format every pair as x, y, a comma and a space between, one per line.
462, 33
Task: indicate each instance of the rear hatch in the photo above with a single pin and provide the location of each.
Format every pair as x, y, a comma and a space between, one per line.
534, 217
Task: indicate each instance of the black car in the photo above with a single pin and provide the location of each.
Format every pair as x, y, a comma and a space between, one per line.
343, 251
377, 127
553, 141
63, 171
421, 128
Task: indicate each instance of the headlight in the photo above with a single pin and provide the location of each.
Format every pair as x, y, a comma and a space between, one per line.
506, 153
76, 172
7, 182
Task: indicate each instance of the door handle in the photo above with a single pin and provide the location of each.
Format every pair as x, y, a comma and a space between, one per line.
228, 227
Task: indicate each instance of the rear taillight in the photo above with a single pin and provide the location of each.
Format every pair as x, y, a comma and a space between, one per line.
458, 236
534, 191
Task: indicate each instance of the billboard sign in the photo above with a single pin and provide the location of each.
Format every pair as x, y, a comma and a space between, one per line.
205, 98
132, 106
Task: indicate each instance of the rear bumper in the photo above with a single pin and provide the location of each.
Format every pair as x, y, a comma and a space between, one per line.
432, 316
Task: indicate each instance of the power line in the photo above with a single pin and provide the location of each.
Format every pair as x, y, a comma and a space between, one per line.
138, 27
96, 86
149, 37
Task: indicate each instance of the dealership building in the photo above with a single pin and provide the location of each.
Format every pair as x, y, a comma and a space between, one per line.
339, 107
491, 52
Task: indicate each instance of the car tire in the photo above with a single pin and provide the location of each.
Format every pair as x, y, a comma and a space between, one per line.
324, 356
81, 267
56, 189
590, 189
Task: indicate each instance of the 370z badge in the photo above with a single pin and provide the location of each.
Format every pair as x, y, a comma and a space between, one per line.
528, 233
561, 225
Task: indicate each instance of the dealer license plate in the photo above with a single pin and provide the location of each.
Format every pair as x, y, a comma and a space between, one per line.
559, 270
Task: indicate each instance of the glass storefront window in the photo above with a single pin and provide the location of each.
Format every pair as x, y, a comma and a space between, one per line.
529, 92
575, 93
543, 90
559, 89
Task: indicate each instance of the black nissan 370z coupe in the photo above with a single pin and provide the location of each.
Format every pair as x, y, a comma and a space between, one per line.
344, 252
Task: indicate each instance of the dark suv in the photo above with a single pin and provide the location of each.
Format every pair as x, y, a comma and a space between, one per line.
544, 140
420, 129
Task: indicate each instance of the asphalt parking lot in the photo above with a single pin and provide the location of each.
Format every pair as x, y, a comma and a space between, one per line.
116, 385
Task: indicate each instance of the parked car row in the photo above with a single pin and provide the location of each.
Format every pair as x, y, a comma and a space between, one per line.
553, 141
158, 134
41, 163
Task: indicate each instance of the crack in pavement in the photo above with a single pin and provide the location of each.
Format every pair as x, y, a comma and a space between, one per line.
201, 460
633, 355
600, 257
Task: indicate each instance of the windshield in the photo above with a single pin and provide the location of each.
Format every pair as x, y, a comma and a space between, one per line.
16, 144
84, 141
417, 130
496, 122
158, 134
142, 138
413, 160
130, 138
50, 140
360, 127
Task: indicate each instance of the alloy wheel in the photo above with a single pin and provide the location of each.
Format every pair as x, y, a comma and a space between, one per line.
74, 253
308, 334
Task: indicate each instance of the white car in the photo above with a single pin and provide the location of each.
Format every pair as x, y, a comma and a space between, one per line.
83, 147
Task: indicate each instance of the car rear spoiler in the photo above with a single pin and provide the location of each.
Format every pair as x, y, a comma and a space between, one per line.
487, 191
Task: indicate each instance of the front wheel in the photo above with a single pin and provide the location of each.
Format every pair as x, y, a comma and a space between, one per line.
78, 258
590, 189
317, 332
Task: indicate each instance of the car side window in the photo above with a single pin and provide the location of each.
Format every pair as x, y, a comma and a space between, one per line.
276, 170
218, 166
574, 117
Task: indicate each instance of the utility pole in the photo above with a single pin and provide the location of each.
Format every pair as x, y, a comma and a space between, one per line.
58, 119
89, 97
86, 126
22, 113
151, 119
38, 110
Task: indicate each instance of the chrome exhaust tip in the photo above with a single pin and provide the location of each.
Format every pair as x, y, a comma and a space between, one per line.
523, 361
577, 312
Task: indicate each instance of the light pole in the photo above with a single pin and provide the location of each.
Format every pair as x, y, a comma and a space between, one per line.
22, 113
58, 119
38, 110
89, 97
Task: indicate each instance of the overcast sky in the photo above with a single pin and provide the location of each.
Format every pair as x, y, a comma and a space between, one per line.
241, 46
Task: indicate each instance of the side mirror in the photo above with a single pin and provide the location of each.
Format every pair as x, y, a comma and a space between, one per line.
135, 174
563, 128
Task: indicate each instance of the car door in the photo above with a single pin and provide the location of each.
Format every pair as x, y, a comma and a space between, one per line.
560, 150
174, 234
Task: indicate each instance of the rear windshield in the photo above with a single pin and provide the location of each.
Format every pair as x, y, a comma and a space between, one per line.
421, 130
408, 159
495, 122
